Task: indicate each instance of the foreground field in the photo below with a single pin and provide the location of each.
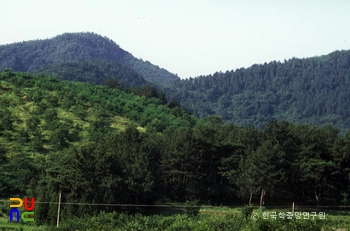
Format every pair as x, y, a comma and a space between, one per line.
207, 220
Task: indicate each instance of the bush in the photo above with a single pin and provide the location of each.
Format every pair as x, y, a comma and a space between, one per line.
192, 208
247, 211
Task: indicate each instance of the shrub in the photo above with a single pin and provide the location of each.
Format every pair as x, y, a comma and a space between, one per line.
247, 211
192, 208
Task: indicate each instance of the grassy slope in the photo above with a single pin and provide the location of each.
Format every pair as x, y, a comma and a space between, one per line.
87, 103
23, 111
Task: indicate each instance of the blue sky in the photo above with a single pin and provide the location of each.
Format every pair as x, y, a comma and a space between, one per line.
190, 37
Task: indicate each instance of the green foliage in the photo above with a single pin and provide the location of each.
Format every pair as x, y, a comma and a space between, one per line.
99, 145
247, 211
312, 91
109, 73
345, 198
112, 83
61, 54
192, 208
120, 221
46, 115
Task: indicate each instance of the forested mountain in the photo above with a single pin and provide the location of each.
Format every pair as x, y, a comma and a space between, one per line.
33, 55
312, 90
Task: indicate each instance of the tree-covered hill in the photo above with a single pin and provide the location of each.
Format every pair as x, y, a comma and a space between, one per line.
94, 71
312, 90
104, 145
33, 55
43, 114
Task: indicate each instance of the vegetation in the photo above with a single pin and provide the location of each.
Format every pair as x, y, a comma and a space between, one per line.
33, 55
102, 144
96, 71
203, 222
304, 91
42, 115
124, 142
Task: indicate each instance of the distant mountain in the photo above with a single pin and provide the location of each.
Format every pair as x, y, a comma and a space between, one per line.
33, 55
312, 90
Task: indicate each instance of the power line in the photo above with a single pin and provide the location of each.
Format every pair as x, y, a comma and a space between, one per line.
172, 206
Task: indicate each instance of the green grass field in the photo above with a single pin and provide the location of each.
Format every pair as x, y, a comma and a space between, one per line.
209, 218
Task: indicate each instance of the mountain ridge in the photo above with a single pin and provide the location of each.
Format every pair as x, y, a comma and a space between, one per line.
36, 54
300, 90
309, 90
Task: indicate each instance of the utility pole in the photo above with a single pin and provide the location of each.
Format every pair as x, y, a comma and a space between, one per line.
59, 206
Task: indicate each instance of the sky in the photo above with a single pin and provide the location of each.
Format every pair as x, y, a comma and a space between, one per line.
190, 37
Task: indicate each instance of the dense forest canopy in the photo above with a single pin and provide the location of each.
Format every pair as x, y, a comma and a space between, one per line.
33, 55
103, 144
94, 71
309, 91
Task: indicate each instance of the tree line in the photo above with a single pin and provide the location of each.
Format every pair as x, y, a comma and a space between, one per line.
211, 162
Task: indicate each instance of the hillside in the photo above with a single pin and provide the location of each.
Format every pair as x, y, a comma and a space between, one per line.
94, 71
103, 145
42, 114
33, 55
312, 90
